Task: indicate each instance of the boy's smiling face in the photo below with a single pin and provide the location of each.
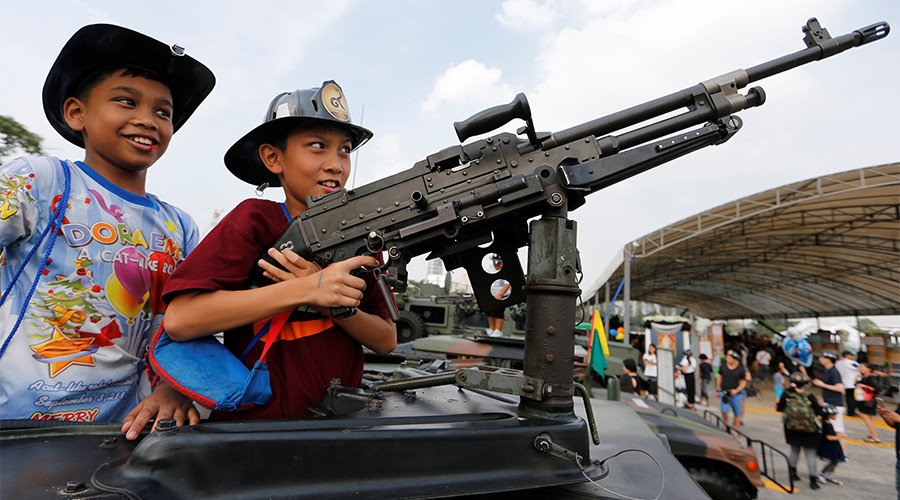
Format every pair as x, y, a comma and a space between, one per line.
126, 122
315, 161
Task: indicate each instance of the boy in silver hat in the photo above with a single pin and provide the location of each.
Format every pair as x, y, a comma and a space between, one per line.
304, 146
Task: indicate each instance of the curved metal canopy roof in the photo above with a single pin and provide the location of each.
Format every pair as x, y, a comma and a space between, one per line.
828, 246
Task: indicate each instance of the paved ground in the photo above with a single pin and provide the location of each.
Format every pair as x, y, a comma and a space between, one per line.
868, 475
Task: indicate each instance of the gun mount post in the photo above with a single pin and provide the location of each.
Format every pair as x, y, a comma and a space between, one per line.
551, 292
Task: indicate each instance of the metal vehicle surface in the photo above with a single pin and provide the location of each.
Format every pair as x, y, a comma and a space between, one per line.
722, 466
468, 440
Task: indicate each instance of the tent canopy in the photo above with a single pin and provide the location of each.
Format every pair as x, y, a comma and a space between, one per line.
828, 246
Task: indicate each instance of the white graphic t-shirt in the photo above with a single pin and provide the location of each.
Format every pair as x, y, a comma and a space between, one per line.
77, 353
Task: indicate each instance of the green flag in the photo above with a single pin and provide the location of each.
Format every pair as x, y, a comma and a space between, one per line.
597, 347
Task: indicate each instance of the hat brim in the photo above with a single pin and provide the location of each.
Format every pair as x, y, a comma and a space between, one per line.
242, 158
99, 47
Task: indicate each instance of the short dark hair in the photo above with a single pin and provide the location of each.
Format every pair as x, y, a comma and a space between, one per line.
846, 353
629, 364
279, 137
703, 356
92, 81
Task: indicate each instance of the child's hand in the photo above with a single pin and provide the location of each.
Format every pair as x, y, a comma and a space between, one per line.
163, 402
295, 265
335, 286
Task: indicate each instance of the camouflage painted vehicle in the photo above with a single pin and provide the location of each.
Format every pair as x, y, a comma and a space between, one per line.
504, 352
434, 311
717, 461
724, 468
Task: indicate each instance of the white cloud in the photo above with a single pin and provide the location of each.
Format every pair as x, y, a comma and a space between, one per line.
384, 155
527, 14
468, 86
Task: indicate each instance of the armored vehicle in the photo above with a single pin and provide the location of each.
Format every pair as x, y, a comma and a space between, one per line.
432, 310
724, 467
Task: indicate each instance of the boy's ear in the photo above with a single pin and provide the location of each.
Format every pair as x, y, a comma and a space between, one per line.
73, 112
271, 158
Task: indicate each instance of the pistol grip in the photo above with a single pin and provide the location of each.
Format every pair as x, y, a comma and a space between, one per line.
342, 312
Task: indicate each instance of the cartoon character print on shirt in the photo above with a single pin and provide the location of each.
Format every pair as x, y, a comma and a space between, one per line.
78, 314
74, 308
12, 188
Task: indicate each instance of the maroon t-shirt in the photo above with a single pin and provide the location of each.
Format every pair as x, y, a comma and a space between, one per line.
299, 370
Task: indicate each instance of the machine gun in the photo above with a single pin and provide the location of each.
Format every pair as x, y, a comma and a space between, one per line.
474, 200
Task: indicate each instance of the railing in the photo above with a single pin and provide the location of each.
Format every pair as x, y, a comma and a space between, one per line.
765, 452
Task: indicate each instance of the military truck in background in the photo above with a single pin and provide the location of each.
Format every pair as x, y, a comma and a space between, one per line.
433, 310
434, 321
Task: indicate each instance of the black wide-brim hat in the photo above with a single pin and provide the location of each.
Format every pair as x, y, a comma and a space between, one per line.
98, 47
324, 107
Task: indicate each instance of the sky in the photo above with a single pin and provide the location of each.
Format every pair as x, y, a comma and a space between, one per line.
410, 69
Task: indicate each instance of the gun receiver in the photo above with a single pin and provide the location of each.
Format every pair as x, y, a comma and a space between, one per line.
473, 199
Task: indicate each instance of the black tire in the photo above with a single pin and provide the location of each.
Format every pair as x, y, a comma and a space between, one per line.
718, 485
410, 326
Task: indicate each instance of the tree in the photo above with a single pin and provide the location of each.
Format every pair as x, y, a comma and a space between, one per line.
866, 325
16, 139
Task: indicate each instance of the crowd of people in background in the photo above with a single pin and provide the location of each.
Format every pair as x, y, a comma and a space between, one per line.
846, 386
761, 361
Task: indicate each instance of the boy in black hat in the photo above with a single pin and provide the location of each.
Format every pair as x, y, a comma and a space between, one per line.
304, 145
87, 250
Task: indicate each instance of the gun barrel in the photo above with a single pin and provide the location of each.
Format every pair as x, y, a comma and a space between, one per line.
819, 46
625, 118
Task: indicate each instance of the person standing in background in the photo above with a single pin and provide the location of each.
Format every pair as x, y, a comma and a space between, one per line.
707, 386
869, 387
730, 386
778, 379
500, 289
830, 447
833, 393
629, 381
849, 370
650, 369
688, 368
801, 430
763, 357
